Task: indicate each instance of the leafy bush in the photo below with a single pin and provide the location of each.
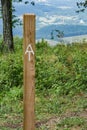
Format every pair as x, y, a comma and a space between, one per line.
11, 99
11, 68
62, 68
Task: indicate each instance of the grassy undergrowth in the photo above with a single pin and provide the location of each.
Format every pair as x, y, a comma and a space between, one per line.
61, 87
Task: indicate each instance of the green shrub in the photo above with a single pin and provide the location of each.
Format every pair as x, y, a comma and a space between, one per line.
62, 68
11, 70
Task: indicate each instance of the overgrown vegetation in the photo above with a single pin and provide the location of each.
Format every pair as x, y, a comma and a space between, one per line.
61, 86
62, 68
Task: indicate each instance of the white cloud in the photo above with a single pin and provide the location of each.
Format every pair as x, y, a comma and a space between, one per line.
64, 7
55, 19
41, 0
82, 22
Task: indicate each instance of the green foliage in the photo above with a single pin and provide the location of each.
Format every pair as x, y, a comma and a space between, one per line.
11, 68
61, 71
58, 34
82, 6
10, 101
61, 68
70, 122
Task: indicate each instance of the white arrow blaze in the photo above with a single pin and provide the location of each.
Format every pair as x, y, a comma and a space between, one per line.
29, 50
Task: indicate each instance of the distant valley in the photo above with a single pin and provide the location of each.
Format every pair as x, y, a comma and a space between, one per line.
51, 15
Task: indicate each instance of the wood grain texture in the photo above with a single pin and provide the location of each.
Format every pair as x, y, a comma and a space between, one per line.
29, 72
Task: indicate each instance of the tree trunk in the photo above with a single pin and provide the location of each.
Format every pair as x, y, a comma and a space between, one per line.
7, 24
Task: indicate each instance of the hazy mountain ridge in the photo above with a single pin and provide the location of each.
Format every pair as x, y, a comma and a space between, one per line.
53, 15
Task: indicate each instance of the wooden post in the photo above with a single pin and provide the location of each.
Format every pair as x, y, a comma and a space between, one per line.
29, 71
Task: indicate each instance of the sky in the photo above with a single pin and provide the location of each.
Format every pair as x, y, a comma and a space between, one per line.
52, 13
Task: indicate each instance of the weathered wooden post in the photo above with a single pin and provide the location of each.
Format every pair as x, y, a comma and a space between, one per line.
29, 71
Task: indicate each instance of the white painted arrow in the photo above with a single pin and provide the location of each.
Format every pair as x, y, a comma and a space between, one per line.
29, 50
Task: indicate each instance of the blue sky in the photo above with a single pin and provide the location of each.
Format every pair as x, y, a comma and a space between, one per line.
52, 13
49, 12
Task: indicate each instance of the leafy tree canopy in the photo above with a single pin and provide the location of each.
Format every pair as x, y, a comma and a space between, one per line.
82, 6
